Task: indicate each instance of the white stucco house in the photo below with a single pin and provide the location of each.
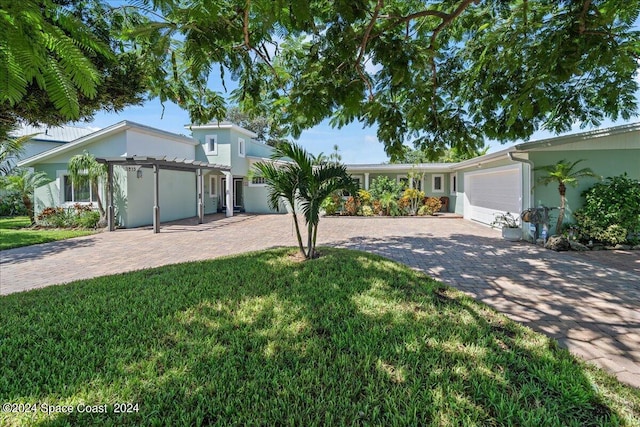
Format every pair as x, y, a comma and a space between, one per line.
210, 171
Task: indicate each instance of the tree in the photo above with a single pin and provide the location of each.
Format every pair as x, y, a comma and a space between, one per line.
83, 168
268, 131
440, 74
451, 155
564, 173
24, 182
60, 60
301, 181
10, 150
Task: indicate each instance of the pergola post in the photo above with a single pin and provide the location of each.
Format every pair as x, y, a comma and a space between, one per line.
156, 198
200, 187
110, 212
229, 193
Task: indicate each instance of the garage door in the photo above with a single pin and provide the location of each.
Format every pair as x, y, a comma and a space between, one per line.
492, 191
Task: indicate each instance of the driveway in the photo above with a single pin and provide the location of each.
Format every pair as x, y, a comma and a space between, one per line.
589, 302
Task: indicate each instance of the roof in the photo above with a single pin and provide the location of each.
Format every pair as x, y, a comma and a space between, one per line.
52, 133
418, 167
576, 137
113, 129
223, 125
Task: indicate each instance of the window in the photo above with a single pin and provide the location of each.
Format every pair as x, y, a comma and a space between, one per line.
213, 186
417, 184
211, 145
404, 181
241, 147
453, 183
257, 181
437, 183
75, 193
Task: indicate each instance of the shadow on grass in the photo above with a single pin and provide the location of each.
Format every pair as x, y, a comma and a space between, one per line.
571, 296
260, 339
38, 250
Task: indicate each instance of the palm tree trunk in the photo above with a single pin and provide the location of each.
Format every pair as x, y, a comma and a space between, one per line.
298, 235
29, 206
310, 253
103, 214
562, 189
315, 235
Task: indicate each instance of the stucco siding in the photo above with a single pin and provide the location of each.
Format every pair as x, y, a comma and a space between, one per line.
110, 146
255, 200
177, 197
144, 144
604, 163
46, 196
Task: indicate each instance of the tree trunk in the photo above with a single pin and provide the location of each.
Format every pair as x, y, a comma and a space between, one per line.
103, 214
298, 235
29, 206
562, 189
310, 241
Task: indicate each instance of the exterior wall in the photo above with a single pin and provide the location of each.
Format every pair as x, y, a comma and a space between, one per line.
255, 200
223, 156
177, 197
110, 146
607, 163
144, 144
47, 195
33, 147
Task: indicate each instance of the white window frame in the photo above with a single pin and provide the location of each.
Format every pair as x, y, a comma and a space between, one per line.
213, 186
433, 183
453, 183
61, 174
399, 179
242, 147
208, 140
251, 183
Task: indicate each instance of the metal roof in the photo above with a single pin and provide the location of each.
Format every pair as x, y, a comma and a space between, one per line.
52, 133
163, 162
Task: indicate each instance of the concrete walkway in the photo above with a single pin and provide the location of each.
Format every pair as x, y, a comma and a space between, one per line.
589, 302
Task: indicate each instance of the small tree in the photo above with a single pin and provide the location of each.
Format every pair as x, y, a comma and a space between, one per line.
84, 168
302, 181
24, 182
564, 173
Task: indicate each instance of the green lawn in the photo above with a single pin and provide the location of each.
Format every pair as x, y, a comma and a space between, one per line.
14, 232
261, 339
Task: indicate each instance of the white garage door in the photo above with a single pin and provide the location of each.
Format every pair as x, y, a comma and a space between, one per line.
492, 191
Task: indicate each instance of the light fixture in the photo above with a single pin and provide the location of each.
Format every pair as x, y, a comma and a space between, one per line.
139, 173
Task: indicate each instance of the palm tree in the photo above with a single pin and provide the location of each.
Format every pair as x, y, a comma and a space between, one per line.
10, 150
24, 182
302, 181
564, 173
84, 168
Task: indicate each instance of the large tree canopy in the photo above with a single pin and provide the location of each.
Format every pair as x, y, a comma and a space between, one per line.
63, 60
438, 73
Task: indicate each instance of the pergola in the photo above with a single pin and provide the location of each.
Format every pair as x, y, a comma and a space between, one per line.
157, 163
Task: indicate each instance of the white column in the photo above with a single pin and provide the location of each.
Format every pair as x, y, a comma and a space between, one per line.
366, 180
229, 193
156, 198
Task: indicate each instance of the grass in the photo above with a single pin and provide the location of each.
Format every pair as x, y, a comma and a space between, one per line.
14, 233
260, 339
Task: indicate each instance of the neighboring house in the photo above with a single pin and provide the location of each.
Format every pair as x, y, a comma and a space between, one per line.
479, 188
505, 181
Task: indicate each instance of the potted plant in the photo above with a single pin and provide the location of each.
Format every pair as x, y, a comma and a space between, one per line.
511, 230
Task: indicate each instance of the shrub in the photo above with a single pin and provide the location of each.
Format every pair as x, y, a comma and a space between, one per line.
610, 212
351, 206
411, 200
367, 210
431, 206
376, 207
382, 185
331, 204
76, 216
365, 197
11, 204
88, 219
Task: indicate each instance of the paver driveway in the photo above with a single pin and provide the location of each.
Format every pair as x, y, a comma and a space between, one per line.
590, 302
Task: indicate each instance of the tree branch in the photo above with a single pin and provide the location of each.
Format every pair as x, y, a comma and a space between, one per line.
363, 46
583, 15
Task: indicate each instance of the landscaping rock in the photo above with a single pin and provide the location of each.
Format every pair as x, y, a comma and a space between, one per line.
558, 243
636, 248
622, 247
598, 248
577, 246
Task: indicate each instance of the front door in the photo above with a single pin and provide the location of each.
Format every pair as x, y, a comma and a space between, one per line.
237, 193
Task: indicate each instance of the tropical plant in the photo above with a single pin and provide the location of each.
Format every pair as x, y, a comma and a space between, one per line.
384, 184
83, 168
431, 206
364, 196
24, 182
505, 220
413, 198
388, 202
611, 210
10, 150
563, 173
301, 182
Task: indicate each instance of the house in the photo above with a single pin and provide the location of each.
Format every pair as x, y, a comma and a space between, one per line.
505, 181
211, 171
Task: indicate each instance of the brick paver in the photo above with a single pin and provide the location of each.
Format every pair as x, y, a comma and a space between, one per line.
589, 302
